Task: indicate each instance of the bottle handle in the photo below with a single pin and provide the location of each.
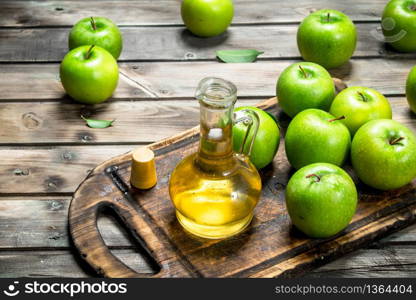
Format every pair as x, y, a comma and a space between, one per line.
251, 120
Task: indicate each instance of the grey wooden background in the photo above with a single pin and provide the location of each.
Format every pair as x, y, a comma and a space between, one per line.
46, 150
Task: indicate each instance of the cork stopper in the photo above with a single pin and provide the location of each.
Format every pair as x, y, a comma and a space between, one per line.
143, 168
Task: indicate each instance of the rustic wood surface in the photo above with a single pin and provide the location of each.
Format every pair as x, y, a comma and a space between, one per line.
46, 150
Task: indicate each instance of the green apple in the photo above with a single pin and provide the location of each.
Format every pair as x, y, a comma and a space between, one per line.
304, 85
360, 105
411, 89
327, 37
267, 139
97, 31
89, 74
321, 199
316, 136
207, 18
383, 154
399, 24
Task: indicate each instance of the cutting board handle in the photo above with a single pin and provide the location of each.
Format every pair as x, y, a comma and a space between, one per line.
90, 243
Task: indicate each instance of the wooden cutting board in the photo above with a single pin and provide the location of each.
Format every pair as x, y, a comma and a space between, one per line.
270, 247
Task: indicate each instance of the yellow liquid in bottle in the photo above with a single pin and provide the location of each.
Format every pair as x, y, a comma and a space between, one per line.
215, 190
215, 201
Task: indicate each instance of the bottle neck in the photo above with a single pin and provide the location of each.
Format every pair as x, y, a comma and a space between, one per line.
216, 133
216, 98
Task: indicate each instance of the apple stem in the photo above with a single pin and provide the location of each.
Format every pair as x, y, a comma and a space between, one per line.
327, 17
89, 52
413, 7
396, 140
337, 119
303, 71
94, 26
314, 175
362, 96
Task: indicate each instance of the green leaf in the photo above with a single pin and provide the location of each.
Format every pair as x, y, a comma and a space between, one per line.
98, 123
238, 56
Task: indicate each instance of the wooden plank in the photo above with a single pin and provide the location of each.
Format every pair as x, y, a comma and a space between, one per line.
41, 222
175, 43
179, 79
136, 122
44, 169
59, 264
43, 82
393, 261
50, 169
149, 12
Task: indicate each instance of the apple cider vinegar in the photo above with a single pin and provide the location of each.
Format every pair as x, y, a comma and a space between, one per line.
215, 190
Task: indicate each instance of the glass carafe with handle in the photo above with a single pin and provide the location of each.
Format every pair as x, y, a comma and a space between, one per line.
216, 189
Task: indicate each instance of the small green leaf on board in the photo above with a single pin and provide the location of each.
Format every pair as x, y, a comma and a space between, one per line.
238, 56
98, 123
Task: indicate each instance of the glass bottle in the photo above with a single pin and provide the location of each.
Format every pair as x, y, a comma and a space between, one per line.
216, 189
